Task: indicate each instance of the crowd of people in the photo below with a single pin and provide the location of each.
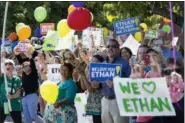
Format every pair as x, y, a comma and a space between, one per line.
153, 59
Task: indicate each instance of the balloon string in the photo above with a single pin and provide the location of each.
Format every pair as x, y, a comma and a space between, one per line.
172, 33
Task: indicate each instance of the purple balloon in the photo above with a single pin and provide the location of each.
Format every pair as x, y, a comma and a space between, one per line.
78, 3
37, 32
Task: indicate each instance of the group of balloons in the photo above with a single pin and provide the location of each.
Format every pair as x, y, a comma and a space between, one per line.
166, 28
79, 18
23, 31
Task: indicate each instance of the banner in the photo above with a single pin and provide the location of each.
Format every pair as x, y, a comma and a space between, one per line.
80, 104
97, 34
143, 97
103, 72
45, 27
150, 34
127, 26
54, 72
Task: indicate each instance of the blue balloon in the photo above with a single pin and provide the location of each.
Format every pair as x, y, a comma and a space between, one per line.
78, 3
37, 32
13, 44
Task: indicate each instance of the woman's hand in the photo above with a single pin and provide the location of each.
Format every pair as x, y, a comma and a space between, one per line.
16, 95
137, 71
95, 84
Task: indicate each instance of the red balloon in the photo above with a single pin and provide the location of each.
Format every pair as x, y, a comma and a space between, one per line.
79, 19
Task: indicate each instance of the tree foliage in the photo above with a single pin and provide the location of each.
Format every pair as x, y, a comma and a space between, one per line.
57, 10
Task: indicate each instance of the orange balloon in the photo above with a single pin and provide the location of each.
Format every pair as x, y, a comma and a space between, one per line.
71, 8
24, 33
12, 36
166, 21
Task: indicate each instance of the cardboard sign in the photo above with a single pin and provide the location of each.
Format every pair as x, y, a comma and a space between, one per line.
54, 72
80, 104
127, 26
151, 34
97, 34
143, 97
45, 27
103, 72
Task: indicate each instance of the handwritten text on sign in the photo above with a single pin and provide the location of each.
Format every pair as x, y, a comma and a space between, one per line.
54, 72
103, 72
45, 27
127, 26
143, 97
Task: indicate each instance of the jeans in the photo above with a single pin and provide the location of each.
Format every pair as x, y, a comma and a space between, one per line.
30, 103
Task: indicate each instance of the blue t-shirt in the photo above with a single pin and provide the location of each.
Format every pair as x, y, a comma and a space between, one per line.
168, 53
126, 70
67, 90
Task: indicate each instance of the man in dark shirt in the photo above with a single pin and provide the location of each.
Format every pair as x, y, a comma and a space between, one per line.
30, 88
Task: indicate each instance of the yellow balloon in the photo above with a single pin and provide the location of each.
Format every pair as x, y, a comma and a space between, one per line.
24, 32
71, 8
63, 28
138, 36
49, 91
110, 18
144, 26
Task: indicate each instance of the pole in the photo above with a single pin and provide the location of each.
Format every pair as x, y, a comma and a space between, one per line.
3, 38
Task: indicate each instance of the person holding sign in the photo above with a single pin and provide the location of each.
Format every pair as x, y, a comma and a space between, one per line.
14, 84
93, 106
176, 87
110, 111
30, 88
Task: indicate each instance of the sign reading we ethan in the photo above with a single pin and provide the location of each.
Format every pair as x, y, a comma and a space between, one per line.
143, 97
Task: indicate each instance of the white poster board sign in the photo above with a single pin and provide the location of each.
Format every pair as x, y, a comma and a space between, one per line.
143, 97
97, 34
54, 72
80, 102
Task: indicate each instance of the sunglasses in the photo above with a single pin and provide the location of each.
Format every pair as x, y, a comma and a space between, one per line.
168, 72
112, 46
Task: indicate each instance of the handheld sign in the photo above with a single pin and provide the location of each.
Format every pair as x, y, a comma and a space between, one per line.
54, 72
22, 47
143, 97
127, 26
151, 34
103, 72
45, 27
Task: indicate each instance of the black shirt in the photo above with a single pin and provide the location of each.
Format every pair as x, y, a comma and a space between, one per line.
30, 82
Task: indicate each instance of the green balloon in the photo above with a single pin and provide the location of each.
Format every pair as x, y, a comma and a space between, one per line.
18, 26
166, 28
40, 14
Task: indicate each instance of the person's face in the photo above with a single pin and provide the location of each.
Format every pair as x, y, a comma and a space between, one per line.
68, 58
125, 54
26, 67
9, 69
154, 58
141, 53
41, 57
65, 73
112, 49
